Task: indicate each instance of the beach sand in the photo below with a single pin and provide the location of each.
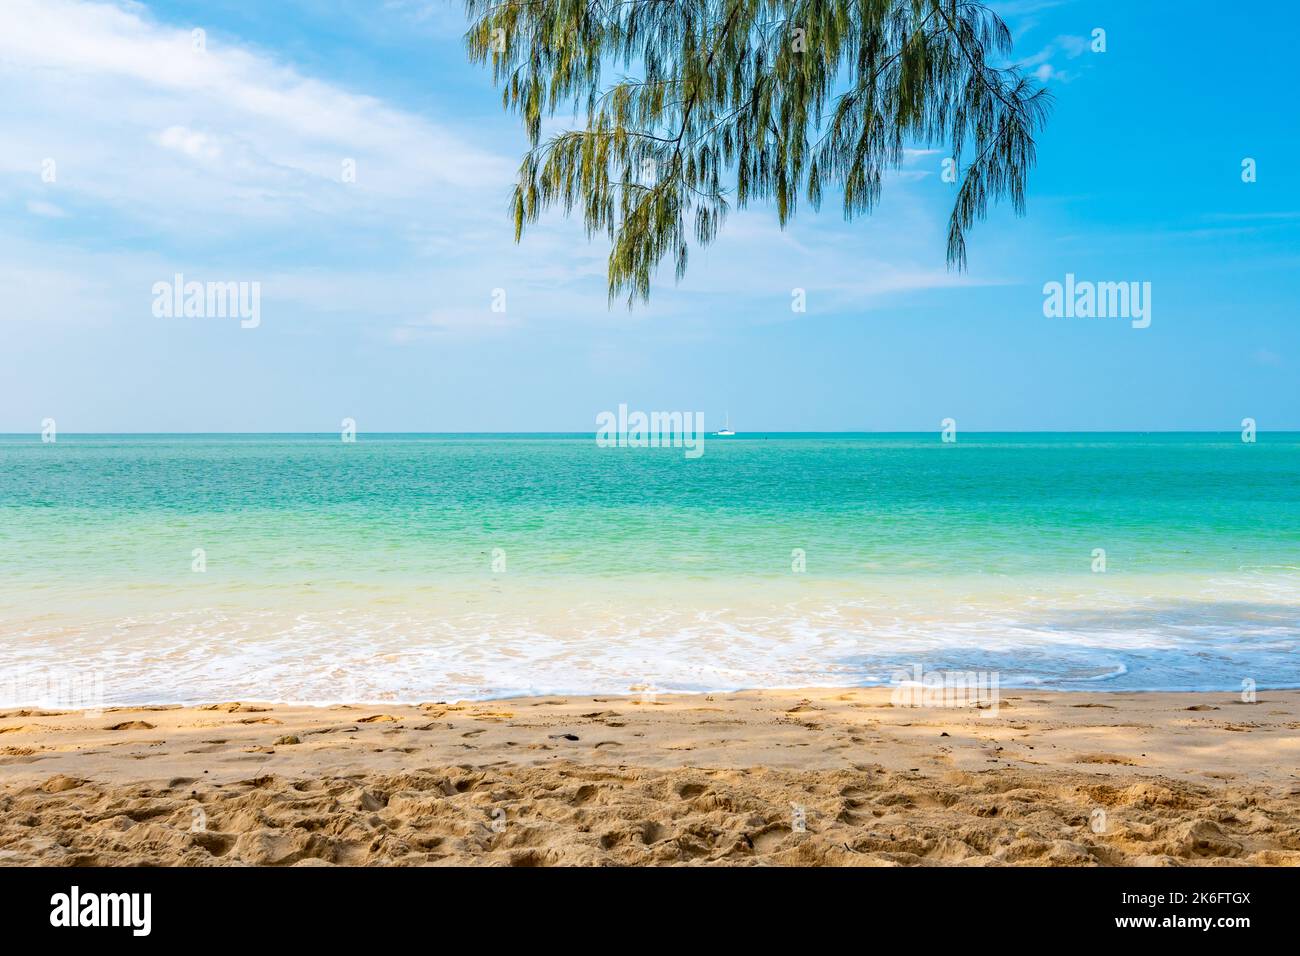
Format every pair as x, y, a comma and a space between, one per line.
809, 777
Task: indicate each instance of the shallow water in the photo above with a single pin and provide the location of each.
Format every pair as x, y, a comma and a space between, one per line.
440, 567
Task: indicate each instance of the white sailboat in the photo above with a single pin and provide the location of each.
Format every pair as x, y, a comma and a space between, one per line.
725, 430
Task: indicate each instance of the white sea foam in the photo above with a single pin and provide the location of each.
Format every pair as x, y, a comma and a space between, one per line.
405, 644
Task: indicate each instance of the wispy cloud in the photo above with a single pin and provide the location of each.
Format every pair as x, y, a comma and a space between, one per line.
201, 128
1044, 64
140, 149
1269, 358
39, 207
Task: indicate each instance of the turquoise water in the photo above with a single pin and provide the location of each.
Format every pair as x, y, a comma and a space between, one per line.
419, 566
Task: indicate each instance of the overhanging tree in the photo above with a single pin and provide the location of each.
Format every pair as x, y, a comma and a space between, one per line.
733, 101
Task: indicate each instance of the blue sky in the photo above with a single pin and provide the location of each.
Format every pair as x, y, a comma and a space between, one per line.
226, 165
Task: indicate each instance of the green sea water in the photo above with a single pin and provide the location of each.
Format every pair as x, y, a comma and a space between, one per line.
413, 566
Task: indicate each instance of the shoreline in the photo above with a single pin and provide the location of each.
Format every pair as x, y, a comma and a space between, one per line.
623, 696
834, 776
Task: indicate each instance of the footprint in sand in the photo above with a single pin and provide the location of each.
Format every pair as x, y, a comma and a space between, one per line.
1103, 758
234, 707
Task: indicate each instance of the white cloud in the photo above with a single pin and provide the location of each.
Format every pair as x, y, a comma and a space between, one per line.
189, 142
127, 106
39, 207
207, 158
1071, 47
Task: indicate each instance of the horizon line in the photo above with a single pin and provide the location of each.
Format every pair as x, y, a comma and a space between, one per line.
968, 431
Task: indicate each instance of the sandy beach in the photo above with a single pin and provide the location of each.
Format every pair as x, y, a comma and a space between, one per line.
809, 777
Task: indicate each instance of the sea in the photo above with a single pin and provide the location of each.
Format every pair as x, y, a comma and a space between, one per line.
411, 567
